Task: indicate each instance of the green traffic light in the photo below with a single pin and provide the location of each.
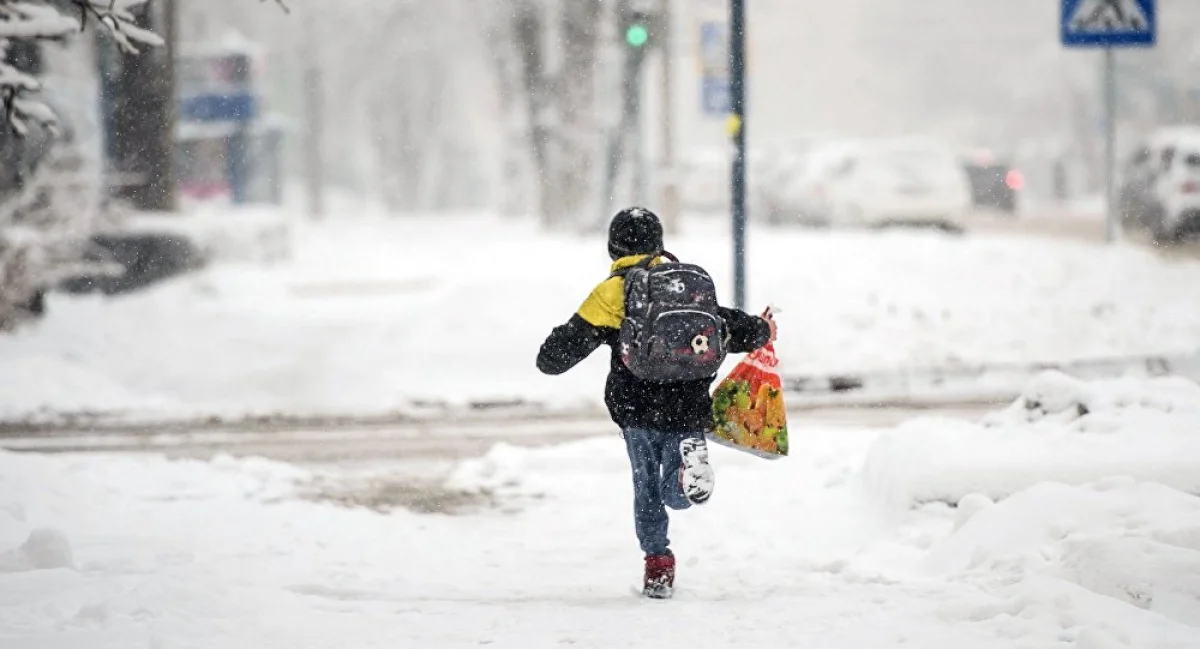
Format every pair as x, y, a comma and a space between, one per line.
637, 35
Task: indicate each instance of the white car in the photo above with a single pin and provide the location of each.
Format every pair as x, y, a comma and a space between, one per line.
1160, 190
884, 182
705, 184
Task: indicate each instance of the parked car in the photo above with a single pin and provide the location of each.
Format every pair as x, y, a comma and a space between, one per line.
778, 194
705, 180
995, 184
777, 183
1160, 187
883, 182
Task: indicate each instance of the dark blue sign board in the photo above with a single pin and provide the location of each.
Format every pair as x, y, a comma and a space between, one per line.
714, 95
1108, 23
714, 68
232, 107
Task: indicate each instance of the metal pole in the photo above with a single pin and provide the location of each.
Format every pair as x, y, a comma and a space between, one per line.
314, 155
737, 124
638, 148
667, 178
1110, 154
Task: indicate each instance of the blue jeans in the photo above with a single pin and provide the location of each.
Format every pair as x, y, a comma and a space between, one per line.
655, 459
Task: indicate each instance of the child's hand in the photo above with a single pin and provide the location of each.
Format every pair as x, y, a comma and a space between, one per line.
770, 318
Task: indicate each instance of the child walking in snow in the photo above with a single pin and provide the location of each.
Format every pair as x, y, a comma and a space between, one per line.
663, 421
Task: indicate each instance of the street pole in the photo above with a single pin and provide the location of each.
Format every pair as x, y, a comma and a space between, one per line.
314, 156
737, 127
1110, 153
667, 176
638, 147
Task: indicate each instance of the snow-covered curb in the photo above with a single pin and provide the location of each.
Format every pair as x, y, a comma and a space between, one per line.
1061, 429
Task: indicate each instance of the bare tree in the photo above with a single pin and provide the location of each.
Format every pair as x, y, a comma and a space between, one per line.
560, 103
576, 103
528, 20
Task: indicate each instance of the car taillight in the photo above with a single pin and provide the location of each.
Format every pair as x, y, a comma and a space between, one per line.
1190, 187
1014, 179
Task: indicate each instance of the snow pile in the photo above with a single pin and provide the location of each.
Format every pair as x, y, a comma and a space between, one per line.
242, 235
366, 315
1060, 430
45, 549
792, 553
518, 470
1135, 544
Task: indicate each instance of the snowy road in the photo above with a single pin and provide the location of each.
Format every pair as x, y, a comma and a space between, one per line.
1059, 225
424, 440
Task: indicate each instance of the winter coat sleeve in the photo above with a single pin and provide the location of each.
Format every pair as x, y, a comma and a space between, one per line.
598, 318
746, 332
568, 344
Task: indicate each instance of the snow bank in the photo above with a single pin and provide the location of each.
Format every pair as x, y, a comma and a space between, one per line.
1134, 543
244, 234
1060, 430
46, 548
793, 553
366, 315
1032, 528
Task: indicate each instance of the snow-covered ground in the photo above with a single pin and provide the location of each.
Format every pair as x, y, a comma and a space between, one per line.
371, 313
808, 551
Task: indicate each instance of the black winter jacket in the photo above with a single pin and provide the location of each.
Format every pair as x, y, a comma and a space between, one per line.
677, 407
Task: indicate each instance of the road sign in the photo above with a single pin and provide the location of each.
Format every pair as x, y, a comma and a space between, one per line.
714, 48
714, 96
240, 107
1108, 23
714, 68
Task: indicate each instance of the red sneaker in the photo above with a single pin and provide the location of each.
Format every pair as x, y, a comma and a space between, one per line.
660, 576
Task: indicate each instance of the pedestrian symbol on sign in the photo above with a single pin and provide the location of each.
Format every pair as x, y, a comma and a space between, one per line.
1108, 23
1109, 16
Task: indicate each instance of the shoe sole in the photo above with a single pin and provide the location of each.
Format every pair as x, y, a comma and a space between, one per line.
658, 593
695, 473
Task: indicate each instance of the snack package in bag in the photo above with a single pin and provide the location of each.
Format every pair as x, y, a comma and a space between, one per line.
748, 408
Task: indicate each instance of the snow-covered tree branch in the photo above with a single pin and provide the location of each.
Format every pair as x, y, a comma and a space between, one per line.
48, 20
45, 216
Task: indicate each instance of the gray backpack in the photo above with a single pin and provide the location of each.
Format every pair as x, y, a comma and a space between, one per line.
672, 329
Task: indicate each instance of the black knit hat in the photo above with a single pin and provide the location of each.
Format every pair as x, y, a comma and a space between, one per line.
634, 231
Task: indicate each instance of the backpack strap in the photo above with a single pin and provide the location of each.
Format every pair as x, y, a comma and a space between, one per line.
644, 264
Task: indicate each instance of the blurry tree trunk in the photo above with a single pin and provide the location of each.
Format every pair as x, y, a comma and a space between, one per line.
577, 99
560, 104
314, 119
528, 26
513, 199
144, 115
410, 136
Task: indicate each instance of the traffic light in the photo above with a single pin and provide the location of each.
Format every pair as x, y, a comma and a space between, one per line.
638, 29
637, 35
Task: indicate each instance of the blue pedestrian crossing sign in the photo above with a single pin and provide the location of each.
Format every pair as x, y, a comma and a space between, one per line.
714, 68
1108, 23
714, 96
